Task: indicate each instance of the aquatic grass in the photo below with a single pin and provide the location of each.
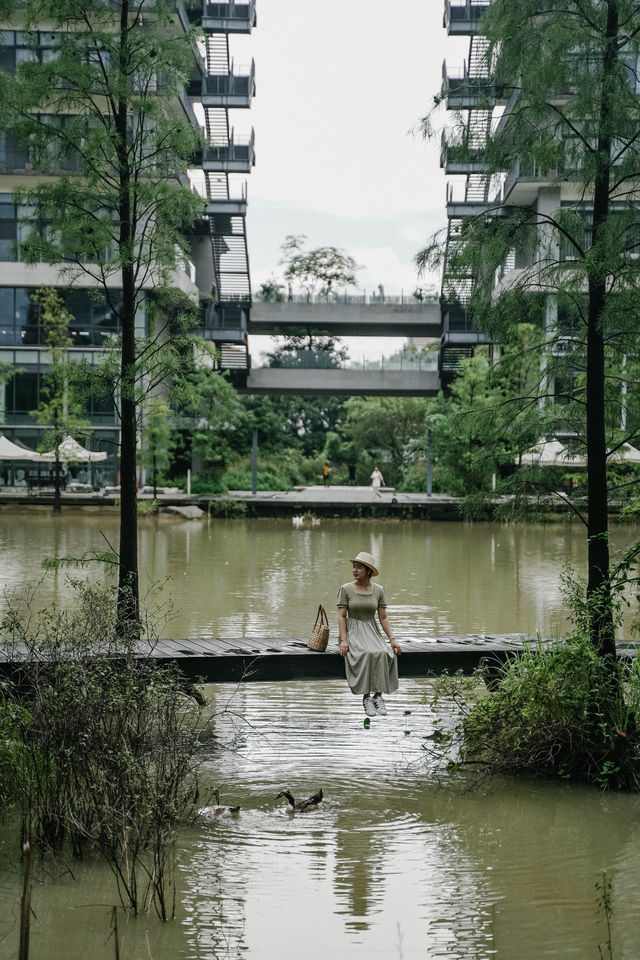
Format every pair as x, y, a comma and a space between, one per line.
109, 742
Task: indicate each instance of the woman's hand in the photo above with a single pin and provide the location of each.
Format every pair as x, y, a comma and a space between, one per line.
344, 648
397, 649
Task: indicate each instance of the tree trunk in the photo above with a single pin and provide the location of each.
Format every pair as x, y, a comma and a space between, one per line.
598, 586
128, 591
57, 500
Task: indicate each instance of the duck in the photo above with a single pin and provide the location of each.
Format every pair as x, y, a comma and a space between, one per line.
302, 806
220, 810
297, 521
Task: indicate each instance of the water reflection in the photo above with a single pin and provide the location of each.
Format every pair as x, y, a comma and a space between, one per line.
261, 578
393, 864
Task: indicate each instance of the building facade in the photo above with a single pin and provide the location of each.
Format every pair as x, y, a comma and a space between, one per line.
217, 273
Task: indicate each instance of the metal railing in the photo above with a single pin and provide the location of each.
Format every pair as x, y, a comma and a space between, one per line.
364, 298
409, 362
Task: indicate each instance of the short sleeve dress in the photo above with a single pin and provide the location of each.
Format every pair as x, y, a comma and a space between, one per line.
370, 663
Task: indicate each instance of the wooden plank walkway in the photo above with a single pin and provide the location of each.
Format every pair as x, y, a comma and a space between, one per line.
219, 660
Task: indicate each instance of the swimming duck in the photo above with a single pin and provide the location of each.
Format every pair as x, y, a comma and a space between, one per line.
297, 521
220, 810
302, 806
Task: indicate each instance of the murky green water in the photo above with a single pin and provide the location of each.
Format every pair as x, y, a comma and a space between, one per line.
255, 578
396, 863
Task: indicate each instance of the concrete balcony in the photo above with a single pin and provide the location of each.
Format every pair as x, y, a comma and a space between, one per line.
461, 16
525, 180
228, 206
465, 92
234, 157
230, 17
459, 208
233, 90
457, 158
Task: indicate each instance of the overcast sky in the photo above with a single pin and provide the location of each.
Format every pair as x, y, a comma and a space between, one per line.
340, 86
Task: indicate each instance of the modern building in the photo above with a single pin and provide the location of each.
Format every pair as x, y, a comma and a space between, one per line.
465, 90
218, 271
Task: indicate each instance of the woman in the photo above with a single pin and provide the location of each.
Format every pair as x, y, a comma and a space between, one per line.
377, 481
371, 666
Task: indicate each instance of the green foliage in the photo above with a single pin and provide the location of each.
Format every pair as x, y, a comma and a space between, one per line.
227, 509
237, 478
325, 266
604, 886
549, 712
157, 438
104, 743
271, 291
63, 391
212, 414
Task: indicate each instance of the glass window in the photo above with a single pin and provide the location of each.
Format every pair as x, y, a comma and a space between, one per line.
25, 392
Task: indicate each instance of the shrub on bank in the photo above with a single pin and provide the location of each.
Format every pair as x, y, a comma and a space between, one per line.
104, 754
555, 711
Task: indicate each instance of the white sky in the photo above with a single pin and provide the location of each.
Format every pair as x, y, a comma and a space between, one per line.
340, 86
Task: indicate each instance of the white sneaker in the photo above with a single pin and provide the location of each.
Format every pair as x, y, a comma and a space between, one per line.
379, 705
369, 706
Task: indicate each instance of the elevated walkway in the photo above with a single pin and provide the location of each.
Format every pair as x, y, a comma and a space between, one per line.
342, 382
351, 319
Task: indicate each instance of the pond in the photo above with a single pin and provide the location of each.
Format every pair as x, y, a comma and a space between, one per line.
262, 578
398, 862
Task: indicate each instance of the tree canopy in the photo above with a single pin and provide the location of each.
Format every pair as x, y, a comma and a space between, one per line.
562, 235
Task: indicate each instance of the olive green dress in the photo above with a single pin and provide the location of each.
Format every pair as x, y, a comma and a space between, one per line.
371, 665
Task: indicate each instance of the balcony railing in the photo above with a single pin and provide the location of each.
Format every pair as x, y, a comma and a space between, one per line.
240, 85
463, 12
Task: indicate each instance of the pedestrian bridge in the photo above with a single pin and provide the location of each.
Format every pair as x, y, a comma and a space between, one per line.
350, 317
343, 381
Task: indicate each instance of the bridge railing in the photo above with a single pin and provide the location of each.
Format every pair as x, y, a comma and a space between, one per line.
408, 361
344, 297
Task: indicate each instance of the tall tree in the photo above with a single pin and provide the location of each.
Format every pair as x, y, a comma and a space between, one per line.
62, 401
568, 72
327, 267
101, 97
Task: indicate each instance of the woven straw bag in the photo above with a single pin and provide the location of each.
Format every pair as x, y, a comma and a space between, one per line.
320, 633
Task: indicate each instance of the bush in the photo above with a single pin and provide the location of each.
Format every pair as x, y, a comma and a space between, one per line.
241, 479
106, 742
555, 710
227, 508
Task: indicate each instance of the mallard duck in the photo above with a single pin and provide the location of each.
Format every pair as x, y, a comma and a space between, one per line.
220, 810
302, 806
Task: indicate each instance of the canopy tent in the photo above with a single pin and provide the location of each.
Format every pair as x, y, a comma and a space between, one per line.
11, 451
626, 454
552, 453
70, 450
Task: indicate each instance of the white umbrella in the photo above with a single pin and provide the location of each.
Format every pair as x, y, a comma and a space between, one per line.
11, 451
70, 450
552, 453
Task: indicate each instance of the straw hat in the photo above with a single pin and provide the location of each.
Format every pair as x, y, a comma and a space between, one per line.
367, 560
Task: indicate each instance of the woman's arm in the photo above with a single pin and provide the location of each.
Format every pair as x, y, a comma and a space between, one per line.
386, 626
342, 630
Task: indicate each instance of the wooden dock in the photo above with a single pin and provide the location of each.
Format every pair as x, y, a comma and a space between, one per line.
214, 660
217, 660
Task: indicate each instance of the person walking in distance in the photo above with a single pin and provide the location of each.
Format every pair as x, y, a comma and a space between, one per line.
377, 480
